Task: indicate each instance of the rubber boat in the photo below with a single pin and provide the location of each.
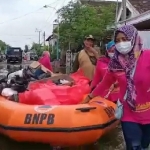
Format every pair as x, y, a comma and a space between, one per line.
57, 125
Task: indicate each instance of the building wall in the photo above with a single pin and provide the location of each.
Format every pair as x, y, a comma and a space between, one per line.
145, 35
130, 7
134, 12
52, 42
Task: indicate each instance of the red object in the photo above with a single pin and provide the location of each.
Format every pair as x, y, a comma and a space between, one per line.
45, 61
51, 94
37, 97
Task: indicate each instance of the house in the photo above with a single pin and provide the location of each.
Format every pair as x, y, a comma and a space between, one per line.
141, 19
131, 11
138, 14
135, 9
101, 3
52, 39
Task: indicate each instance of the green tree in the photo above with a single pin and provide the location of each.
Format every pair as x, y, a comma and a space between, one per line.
26, 48
3, 46
39, 48
78, 21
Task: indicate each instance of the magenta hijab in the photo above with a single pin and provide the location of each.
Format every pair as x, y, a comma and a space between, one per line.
120, 62
45, 60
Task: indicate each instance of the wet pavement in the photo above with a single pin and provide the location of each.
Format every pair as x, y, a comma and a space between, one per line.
112, 141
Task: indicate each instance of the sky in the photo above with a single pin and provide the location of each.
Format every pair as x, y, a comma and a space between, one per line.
21, 19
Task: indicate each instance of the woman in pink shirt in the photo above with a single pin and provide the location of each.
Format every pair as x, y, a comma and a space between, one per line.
131, 67
45, 60
100, 70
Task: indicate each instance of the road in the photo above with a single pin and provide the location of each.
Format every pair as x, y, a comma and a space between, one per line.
24, 62
5, 68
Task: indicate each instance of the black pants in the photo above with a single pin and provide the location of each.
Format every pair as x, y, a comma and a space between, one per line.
137, 136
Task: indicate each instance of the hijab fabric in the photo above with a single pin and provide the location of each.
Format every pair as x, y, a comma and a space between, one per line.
110, 45
45, 60
128, 64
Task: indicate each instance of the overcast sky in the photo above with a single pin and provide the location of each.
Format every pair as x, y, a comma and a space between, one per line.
21, 31
20, 18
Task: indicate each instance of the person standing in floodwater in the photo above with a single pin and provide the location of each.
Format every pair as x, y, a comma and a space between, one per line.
86, 59
100, 70
131, 67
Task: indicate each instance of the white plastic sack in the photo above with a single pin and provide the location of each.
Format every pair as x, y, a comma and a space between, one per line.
19, 73
64, 81
7, 92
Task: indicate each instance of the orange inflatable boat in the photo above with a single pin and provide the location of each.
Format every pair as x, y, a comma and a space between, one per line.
57, 125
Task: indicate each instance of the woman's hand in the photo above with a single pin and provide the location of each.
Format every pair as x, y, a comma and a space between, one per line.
87, 99
112, 87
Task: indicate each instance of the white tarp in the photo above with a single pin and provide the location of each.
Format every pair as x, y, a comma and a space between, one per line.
145, 35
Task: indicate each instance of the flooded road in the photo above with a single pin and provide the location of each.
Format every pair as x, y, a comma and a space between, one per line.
112, 141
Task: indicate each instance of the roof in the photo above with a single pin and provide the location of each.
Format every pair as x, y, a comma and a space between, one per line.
49, 38
141, 5
100, 2
141, 22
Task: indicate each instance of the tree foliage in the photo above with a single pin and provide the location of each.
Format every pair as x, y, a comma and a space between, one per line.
78, 21
3, 46
39, 48
26, 48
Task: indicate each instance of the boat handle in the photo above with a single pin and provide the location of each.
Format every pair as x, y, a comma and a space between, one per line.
85, 109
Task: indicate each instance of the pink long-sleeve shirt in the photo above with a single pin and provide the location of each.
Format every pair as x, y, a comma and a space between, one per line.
100, 70
142, 83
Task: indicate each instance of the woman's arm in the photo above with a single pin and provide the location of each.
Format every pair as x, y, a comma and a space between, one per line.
97, 76
104, 85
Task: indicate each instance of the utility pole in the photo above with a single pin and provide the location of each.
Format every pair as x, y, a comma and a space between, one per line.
117, 8
58, 35
124, 13
39, 32
44, 38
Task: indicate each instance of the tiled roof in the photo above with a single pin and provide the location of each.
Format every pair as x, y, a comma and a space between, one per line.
141, 5
97, 2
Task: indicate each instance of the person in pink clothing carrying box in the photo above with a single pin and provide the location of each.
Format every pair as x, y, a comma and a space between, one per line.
130, 66
100, 70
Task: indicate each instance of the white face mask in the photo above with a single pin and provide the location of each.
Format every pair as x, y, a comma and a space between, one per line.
110, 55
124, 47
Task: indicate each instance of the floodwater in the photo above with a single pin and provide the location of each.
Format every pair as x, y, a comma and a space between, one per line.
112, 141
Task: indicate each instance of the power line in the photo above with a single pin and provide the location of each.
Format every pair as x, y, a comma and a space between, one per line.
50, 16
15, 35
20, 16
29, 14
16, 18
39, 32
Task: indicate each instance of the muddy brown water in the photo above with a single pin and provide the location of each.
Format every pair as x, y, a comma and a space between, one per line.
111, 141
